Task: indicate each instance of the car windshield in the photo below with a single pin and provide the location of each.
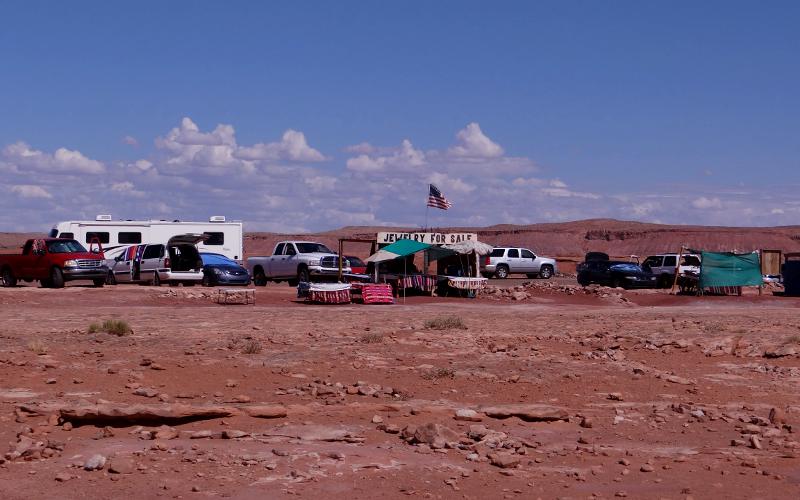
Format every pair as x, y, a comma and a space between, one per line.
631, 268
215, 259
64, 246
355, 261
312, 248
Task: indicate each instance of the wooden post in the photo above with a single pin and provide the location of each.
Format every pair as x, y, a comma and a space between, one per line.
677, 267
341, 259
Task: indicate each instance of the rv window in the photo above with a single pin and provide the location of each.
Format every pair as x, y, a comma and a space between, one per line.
103, 237
215, 239
129, 238
68, 236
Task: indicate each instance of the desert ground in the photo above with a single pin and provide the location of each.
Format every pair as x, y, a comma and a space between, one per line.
542, 390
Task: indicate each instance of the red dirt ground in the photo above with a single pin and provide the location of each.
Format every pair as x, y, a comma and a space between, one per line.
652, 395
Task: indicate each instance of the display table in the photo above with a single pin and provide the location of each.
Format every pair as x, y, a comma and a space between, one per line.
461, 283
324, 293
372, 293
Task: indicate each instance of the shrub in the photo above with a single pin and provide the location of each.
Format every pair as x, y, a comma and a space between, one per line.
445, 323
37, 347
117, 327
371, 338
252, 346
439, 373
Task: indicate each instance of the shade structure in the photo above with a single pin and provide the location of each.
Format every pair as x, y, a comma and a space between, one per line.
399, 248
730, 269
461, 248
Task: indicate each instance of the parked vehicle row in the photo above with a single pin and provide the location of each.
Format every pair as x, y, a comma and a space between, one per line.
656, 271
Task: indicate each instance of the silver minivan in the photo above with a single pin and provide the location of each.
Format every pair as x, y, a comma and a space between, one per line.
176, 262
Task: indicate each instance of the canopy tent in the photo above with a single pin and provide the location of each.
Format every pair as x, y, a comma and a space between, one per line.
461, 248
718, 269
400, 248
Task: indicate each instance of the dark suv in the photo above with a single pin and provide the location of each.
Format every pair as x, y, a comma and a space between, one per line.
615, 273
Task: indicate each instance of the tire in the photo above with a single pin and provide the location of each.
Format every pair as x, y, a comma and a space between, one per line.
111, 279
207, 280
8, 278
501, 272
99, 282
303, 275
56, 278
259, 278
546, 272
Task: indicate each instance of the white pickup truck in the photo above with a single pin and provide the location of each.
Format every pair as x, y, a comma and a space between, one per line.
296, 261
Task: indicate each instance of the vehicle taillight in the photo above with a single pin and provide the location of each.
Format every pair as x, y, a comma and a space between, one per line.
488, 260
166, 262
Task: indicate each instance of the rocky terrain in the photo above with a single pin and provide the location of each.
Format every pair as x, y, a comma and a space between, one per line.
560, 393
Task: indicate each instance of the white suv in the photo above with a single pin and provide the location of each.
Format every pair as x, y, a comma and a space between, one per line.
504, 261
663, 266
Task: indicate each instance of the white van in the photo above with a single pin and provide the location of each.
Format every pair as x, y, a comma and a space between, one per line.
226, 238
176, 262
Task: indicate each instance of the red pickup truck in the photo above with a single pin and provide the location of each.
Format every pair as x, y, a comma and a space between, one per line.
53, 261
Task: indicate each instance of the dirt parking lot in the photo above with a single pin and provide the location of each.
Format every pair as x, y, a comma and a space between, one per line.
549, 395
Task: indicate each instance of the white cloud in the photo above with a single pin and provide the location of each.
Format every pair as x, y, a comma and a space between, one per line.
448, 184
130, 141
703, 203
361, 148
473, 143
406, 156
62, 161
30, 191
292, 146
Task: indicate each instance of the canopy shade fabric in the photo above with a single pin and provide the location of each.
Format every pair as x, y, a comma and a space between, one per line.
399, 248
730, 269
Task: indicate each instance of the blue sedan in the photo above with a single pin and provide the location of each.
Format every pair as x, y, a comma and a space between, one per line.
220, 270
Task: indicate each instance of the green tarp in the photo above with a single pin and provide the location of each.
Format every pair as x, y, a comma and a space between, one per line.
730, 269
399, 248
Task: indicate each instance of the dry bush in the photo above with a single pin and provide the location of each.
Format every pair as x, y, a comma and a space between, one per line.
117, 327
252, 346
439, 373
794, 339
445, 323
371, 338
37, 347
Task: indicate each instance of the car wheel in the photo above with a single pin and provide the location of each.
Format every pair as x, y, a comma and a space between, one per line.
303, 275
56, 278
501, 272
259, 278
99, 282
546, 272
8, 278
111, 279
206, 280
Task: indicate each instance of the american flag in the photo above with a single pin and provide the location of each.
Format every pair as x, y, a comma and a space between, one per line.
437, 200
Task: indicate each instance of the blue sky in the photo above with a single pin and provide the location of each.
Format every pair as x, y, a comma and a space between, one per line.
521, 112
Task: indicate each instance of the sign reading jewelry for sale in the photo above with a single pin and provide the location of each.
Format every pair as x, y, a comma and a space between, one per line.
429, 238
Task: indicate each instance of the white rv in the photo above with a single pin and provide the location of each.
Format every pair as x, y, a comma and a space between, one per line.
225, 238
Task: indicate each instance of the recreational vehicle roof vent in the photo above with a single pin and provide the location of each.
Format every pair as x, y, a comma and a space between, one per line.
217, 218
103, 217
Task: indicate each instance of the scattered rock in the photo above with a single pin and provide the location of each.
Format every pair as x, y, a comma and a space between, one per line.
467, 415
436, 436
95, 462
504, 460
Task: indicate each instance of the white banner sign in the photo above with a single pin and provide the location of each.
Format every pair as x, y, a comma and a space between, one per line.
429, 238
